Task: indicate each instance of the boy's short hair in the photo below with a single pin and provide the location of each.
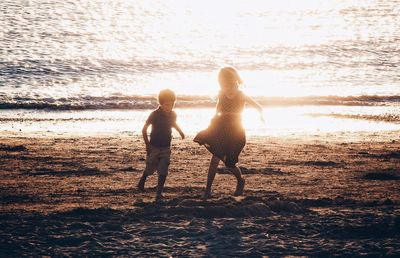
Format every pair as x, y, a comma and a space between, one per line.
166, 95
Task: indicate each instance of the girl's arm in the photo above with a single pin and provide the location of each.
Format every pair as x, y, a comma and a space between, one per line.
255, 105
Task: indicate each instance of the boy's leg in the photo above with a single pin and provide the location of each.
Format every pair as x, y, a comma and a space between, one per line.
240, 180
162, 169
160, 186
212, 170
151, 166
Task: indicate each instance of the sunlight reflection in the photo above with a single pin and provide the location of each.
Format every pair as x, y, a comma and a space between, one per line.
282, 48
279, 121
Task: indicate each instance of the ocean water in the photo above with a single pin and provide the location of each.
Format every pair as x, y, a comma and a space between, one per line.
95, 61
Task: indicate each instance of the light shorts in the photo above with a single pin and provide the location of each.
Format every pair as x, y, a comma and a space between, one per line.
158, 159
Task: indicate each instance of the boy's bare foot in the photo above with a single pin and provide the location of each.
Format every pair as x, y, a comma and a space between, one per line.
239, 187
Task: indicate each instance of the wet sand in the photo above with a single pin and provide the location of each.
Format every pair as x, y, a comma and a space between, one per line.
315, 195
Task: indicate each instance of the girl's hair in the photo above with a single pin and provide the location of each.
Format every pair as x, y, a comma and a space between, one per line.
228, 77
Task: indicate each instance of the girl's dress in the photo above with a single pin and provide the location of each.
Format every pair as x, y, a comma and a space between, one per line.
225, 136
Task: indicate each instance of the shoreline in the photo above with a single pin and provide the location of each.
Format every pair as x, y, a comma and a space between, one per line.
280, 121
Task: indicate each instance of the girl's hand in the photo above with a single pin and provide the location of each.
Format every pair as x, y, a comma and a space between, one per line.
262, 117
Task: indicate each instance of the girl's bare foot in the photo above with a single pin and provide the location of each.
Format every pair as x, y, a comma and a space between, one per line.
206, 195
140, 186
159, 198
239, 187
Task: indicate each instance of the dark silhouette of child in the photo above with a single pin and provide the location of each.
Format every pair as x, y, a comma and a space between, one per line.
158, 148
225, 137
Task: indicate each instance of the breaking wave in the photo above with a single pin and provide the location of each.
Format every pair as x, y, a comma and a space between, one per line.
148, 102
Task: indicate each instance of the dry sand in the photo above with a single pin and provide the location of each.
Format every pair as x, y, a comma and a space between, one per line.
320, 195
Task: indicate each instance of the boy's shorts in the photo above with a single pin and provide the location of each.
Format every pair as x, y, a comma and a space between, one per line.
158, 159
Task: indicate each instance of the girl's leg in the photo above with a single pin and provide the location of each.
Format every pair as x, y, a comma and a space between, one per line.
240, 180
212, 170
142, 180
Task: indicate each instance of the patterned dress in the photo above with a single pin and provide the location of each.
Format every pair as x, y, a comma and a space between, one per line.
225, 136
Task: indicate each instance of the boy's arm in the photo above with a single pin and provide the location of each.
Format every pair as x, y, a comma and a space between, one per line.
255, 105
145, 136
176, 126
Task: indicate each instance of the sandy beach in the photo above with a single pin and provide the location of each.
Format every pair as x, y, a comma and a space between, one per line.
313, 195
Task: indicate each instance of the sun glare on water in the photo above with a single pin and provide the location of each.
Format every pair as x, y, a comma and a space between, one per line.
188, 40
126, 49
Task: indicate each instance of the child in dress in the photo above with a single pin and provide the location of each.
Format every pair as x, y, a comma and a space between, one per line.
158, 149
225, 137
